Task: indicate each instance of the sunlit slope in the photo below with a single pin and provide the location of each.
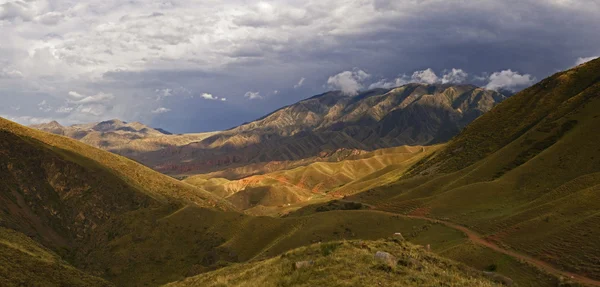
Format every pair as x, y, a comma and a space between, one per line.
139, 177
25, 262
345, 263
536, 187
315, 180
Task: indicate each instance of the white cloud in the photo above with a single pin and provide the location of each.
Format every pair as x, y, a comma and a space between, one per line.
23, 10
223, 99
76, 95
161, 110
10, 73
426, 76
208, 96
27, 120
509, 80
275, 92
455, 76
94, 110
163, 93
253, 95
582, 60
300, 83
349, 82
64, 110
50, 18
44, 106
100, 98
385, 84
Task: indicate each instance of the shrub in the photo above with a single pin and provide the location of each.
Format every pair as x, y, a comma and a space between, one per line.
328, 248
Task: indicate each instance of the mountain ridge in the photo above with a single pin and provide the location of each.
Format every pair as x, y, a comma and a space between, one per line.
413, 114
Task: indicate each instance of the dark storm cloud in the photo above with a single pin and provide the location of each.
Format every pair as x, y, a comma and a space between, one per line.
157, 68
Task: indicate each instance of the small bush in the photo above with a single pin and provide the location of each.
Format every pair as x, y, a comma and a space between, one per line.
328, 248
492, 267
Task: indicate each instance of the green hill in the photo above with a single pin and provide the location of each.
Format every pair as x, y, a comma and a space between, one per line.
25, 262
525, 175
346, 263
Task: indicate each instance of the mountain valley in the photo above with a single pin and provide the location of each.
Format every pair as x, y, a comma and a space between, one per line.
498, 203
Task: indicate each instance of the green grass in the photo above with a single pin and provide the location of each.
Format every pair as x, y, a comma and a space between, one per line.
526, 174
25, 262
160, 246
351, 263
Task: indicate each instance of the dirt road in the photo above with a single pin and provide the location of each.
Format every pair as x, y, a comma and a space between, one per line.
479, 240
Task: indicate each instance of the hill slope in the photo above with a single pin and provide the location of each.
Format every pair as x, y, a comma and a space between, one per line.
348, 263
526, 174
320, 181
137, 176
28, 263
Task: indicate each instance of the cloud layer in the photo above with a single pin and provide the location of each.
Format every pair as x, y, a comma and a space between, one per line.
152, 54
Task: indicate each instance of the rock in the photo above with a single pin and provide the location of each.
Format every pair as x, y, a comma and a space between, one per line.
303, 264
428, 247
498, 278
399, 236
386, 258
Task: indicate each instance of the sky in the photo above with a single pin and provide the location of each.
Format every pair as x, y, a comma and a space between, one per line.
192, 66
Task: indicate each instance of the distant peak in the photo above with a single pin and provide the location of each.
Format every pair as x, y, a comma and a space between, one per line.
113, 121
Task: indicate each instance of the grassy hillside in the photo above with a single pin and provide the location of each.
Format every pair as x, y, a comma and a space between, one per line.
25, 262
155, 247
525, 175
345, 263
139, 177
546, 101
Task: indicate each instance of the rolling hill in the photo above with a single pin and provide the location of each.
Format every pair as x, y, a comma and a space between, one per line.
347, 263
285, 190
525, 175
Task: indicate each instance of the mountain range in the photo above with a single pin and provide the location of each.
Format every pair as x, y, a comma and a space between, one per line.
315, 129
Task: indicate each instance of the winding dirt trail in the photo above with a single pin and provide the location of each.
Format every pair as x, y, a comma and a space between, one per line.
479, 240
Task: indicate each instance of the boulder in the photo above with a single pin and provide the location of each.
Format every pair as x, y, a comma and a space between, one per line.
386, 258
398, 236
